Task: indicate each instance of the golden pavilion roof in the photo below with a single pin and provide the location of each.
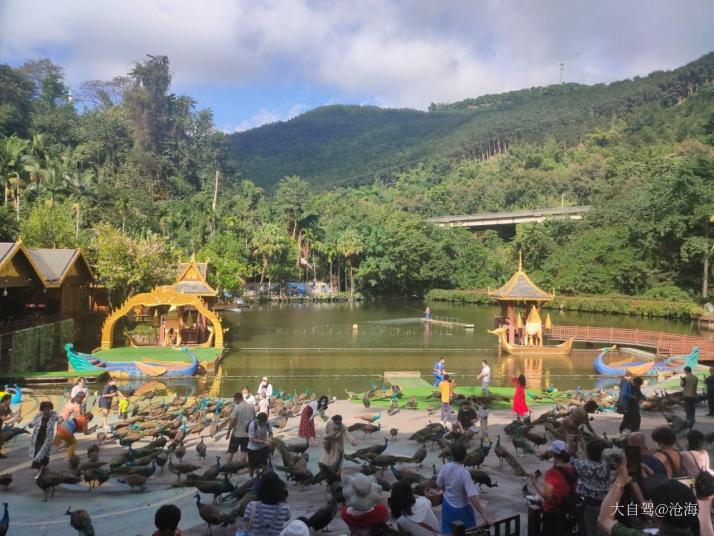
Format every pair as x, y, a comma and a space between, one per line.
520, 287
192, 279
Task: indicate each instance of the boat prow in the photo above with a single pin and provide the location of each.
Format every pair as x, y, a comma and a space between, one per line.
563, 348
130, 369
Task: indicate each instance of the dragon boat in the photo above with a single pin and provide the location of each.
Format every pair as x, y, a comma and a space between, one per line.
520, 349
131, 369
670, 365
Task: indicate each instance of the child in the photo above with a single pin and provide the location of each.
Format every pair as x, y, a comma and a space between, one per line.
264, 403
123, 408
66, 430
482, 414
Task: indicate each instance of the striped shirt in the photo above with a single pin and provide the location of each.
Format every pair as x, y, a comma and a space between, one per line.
266, 519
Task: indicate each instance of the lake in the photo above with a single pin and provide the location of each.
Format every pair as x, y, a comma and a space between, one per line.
314, 346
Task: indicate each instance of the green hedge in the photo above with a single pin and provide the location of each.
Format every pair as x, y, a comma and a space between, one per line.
37, 347
610, 304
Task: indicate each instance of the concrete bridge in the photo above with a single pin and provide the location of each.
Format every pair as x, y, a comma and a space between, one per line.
501, 219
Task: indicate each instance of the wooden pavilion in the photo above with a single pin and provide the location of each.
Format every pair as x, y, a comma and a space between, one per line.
521, 292
42, 282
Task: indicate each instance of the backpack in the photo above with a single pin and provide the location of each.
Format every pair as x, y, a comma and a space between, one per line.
572, 505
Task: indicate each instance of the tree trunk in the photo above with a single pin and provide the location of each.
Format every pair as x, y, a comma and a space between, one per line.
331, 281
262, 273
705, 275
17, 203
214, 203
352, 279
76, 227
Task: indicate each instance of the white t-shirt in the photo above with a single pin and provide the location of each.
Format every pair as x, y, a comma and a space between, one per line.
486, 373
421, 513
263, 405
77, 389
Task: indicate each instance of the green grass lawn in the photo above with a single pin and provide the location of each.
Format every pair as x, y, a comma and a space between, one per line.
156, 353
424, 396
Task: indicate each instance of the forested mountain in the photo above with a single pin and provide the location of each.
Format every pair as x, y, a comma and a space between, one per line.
356, 144
140, 178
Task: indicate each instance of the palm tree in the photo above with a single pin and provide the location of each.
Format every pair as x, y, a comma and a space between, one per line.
268, 241
349, 245
81, 186
11, 153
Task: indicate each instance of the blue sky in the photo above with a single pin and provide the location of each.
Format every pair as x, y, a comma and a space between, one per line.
260, 61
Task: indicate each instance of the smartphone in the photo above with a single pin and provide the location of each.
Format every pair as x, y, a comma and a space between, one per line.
633, 457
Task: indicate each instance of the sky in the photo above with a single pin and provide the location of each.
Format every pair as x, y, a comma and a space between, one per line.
260, 61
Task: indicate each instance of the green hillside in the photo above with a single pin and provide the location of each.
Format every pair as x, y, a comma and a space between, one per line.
355, 144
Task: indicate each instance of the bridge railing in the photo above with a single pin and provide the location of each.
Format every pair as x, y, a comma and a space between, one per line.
664, 343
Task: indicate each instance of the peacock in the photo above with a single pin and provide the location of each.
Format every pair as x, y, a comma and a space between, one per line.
81, 521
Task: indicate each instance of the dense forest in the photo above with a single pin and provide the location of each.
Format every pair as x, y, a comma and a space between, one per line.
352, 145
139, 178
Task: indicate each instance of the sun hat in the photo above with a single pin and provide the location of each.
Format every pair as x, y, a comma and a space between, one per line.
361, 493
558, 446
295, 528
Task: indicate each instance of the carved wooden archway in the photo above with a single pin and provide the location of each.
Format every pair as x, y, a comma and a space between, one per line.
165, 295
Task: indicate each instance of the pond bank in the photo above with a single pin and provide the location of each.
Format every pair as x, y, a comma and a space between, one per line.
609, 304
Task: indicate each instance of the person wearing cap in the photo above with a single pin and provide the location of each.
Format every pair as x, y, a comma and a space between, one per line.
364, 507
296, 528
671, 521
264, 387
558, 482
460, 493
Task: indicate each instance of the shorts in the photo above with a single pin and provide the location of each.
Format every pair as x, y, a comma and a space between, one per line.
258, 458
236, 442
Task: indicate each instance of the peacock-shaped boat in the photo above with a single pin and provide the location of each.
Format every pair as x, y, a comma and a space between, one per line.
131, 369
670, 365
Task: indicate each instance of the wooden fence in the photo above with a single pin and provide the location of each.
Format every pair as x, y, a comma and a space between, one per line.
665, 344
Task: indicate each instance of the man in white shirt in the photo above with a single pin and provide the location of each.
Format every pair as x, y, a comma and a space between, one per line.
250, 399
485, 377
241, 416
460, 494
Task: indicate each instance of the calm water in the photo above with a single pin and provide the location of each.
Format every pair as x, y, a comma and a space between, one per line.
313, 346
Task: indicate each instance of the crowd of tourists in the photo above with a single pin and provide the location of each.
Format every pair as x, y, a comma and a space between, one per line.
656, 484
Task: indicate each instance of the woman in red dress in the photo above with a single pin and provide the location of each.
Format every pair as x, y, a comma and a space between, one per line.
307, 419
520, 408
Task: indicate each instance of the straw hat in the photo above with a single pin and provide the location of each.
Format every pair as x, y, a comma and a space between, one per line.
361, 493
295, 528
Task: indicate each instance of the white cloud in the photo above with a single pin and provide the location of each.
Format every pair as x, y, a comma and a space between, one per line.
394, 52
265, 116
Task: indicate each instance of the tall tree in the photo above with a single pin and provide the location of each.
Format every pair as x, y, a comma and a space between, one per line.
349, 245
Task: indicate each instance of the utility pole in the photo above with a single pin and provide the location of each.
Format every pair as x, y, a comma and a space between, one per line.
562, 71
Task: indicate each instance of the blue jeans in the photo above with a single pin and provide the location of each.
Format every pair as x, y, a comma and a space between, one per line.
484, 387
439, 379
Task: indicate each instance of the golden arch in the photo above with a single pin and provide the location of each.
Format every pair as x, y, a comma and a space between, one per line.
165, 295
